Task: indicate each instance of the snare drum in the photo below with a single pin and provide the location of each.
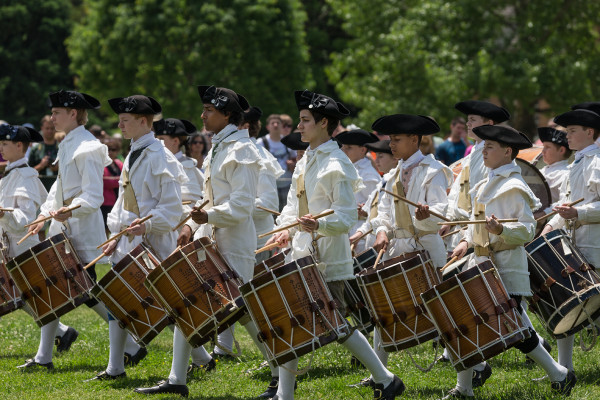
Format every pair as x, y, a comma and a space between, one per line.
199, 290
273, 262
475, 316
123, 292
293, 310
565, 286
10, 296
51, 278
357, 310
392, 292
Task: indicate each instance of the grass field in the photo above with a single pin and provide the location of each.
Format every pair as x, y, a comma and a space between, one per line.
328, 379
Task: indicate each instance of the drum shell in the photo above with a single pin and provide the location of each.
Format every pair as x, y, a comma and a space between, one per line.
273, 262
123, 293
198, 290
561, 294
356, 305
67, 284
402, 321
310, 325
474, 336
10, 295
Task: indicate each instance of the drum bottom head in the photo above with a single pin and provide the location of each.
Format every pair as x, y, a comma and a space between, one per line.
575, 319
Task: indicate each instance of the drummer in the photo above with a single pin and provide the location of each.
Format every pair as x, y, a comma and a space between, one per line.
583, 129
504, 194
150, 184
81, 160
556, 155
326, 179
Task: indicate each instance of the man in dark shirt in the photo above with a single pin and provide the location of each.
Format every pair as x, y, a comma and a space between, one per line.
453, 149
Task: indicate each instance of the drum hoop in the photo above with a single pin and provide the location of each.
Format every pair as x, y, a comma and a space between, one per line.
541, 176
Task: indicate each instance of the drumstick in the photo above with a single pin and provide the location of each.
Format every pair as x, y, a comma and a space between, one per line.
448, 263
95, 260
453, 232
124, 231
175, 251
283, 228
550, 214
186, 202
440, 216
186, 219
267, 247
269, 210
477, 221
6, 209
361, 236
50, 217
379, 255
25, 237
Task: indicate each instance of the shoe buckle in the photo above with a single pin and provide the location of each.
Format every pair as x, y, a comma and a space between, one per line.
378, 394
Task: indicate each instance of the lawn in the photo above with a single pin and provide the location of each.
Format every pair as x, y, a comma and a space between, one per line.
241, 379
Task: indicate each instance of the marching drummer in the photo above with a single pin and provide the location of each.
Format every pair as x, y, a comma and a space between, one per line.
326, 179
556, 155
583, 129
504, 194
81, 160
150, 184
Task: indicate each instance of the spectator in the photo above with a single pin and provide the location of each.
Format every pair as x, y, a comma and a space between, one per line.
97, 131
287, 123
112, 173
43, 154
426, 145
197, 148
453, 149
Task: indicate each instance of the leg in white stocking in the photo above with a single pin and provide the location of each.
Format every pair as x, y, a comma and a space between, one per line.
117, 337
182, 351
565, 351
225, 341
358, 345
555, 371
381, 353
44, 353
287, 379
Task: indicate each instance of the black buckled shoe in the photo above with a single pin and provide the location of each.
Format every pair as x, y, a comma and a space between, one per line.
271, 392
564, 387
105, 376
479, 377
455, 394
195, 369
396, 388
31, 364
365, 382
133, 360
63, 343
165, 387
442, 359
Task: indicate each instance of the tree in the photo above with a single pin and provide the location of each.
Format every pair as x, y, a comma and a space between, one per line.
164, 48
410, 56
34, 58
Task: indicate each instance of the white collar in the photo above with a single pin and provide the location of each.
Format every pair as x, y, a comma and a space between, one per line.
502, 170
580, 153
478, 146
415, 158
15, 164
558, 165
143, 141
223, 134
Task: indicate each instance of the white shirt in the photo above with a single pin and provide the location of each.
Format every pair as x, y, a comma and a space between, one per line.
330, 182
192, 189
555, 174
21, 190
370, 178
366, 225
156, 178
81, 161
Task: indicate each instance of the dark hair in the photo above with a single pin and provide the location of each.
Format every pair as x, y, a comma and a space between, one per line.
235, 117
254, 128
191, 139
568, 151
458, 120
513, 153
332, 122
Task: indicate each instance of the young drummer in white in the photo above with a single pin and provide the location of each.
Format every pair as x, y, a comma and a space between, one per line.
150, 184
556, 155
583, 181
330, 182
504, 194
81, 160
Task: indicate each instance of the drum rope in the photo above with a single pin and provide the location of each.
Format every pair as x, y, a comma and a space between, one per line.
238, 349
594, 330
430, 367
24, 278
390, 305
217, 296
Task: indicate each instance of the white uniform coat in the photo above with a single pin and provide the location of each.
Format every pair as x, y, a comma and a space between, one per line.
370, 178
192, 189
81, 160
555, 174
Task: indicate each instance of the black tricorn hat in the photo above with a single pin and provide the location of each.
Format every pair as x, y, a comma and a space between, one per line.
588, 105
307, 100
405, 123
17, 133
483, 108
173, 127
580, 117
358, 137
252, 114
136, 104
72, 99
552, 135
503, 134
223, 99
382, 146
293, 141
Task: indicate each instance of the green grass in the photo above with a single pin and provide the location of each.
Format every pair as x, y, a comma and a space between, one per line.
328, 379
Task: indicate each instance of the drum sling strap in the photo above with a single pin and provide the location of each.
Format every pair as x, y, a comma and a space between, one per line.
481, 236
373, 212
405, 228
464, 198
303, 210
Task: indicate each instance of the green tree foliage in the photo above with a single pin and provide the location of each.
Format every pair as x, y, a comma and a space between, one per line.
422, 56
164, 48
33, 59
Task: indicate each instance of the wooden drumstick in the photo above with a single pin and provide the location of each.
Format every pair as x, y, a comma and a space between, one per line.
358, 239
186, 219
452, 260
186, 202
124, 231
50, 217
379, 255
175, 251
95, 260
25, 237
550, 214
283, 228
7, 209
404, 199
267, 247
269, 210
453, 232
478, 221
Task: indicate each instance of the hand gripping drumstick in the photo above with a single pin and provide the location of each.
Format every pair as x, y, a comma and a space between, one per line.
186, 219
550, 214
404, 199
478, 221
283, 228
379, 255
452, 260
267, 247
48, 218
269, 210
124, 231
358, 239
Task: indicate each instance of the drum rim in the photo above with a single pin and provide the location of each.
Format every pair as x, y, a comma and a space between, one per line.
278, 272
450, 283
130, 258
389, 267
535, 244
194, 245
34, 250
541, 176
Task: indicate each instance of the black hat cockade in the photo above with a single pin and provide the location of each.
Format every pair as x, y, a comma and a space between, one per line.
580, 117
252, 114
72, 99
358, 137
17, 133
505, 135
405, 124
293, 141
483, 108
588, 105
552, 135
173, 127
307, 100
223, 99
382, 146
136, 104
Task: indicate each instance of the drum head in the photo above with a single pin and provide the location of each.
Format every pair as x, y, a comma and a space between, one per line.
536, 182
